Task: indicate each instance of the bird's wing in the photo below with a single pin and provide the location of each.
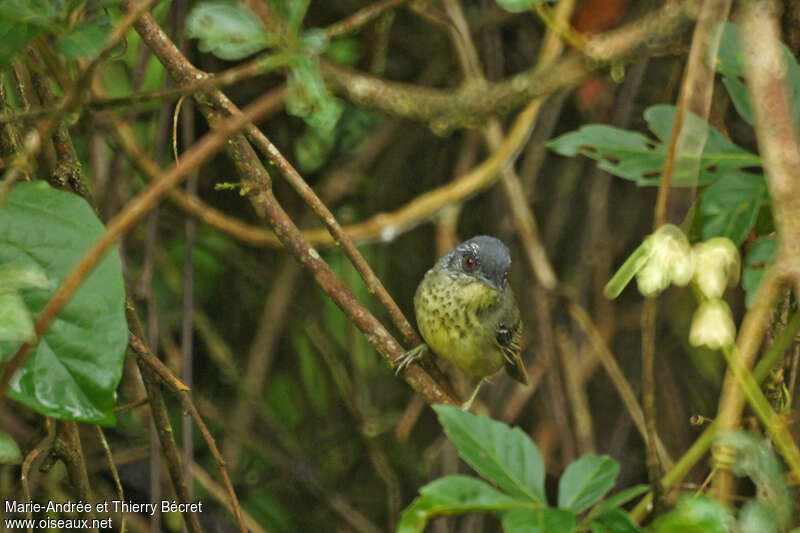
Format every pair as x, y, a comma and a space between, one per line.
509, 338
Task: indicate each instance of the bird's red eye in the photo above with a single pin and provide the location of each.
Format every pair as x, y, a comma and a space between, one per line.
469, 261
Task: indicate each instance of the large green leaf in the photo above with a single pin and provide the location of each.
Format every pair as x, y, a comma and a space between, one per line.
547, 520
506, 457
454, 495
585, 481
730, 205
77, 364
640, 159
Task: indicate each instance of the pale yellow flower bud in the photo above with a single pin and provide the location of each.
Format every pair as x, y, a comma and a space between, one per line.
712, 325
717, 266
669, 260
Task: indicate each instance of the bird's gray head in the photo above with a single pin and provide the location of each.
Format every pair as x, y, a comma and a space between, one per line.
485, 258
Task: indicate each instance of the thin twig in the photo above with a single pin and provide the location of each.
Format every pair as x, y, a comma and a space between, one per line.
142, 351
218, 493
44, 445
67, 447
166, 437
131, 405
614, 372
113, 468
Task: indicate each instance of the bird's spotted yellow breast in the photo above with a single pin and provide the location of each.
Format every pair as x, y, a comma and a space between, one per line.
447, 309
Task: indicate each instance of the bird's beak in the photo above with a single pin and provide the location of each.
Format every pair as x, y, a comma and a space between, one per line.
492, 283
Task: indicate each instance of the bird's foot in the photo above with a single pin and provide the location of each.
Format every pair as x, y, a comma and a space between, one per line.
466, 406
402, 361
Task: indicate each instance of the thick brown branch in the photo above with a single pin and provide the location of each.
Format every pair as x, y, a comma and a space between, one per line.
470, 105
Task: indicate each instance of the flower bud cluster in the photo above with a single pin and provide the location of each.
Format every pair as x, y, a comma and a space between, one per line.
713, 265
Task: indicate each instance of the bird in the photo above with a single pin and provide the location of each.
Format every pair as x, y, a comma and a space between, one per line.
467, 313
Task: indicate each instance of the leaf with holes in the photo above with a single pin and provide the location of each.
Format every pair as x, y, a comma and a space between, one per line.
77, 364
506, 457
635, 157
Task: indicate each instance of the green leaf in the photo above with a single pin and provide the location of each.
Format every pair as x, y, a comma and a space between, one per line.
585, 481
9, 451
506, 457
77, 364
730, 63
519, 6
740, 98
40, 13
454, 495
307, 96
758, 257
635, 157
614, 521
695, 515
14, 37
617, 500
547, 520
730, 205
620, 152
87, 39
293, 12
229, 31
